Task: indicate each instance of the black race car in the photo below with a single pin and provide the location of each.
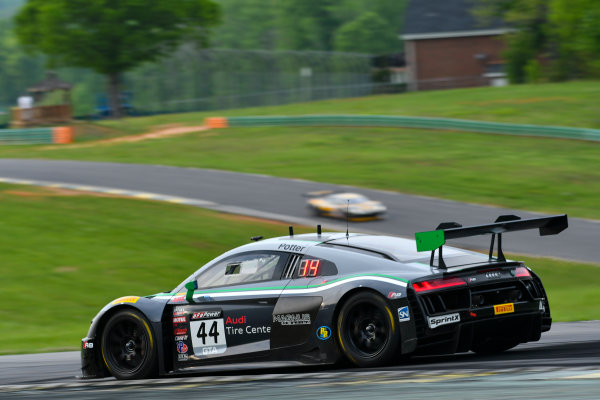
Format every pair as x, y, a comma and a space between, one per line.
327, 297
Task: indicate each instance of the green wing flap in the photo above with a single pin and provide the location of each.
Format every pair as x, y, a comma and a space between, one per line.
430, 240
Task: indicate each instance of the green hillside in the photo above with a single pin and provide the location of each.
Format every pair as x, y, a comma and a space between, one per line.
562, 104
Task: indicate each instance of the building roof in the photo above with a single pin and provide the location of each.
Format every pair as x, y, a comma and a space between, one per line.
430, 19
52, 82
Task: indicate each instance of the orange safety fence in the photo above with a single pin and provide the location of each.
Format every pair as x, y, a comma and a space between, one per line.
62, 135
216, 122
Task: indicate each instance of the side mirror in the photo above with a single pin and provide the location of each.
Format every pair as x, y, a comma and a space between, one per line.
190, 286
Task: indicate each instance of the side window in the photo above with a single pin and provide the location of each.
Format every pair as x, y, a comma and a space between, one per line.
243, 268
314, 266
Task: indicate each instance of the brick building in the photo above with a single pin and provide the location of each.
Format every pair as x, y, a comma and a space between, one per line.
447, 47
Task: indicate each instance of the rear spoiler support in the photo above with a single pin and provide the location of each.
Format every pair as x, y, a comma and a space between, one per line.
434, 240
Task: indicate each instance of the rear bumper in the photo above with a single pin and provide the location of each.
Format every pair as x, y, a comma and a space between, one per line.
471, 327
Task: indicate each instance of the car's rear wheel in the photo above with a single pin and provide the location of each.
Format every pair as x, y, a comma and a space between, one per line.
367, 333
128, 346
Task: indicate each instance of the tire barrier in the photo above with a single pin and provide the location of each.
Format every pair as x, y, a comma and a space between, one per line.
412, 122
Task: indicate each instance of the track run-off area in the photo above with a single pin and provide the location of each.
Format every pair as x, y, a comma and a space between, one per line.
282, 199
564, 364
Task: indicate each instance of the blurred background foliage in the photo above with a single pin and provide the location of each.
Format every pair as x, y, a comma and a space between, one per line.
263, 46
272, 52
553, 40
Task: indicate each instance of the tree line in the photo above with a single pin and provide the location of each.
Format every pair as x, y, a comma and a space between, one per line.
124, 39
116, 37
553, 40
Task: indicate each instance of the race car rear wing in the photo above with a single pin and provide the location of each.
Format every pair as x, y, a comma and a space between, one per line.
434, 240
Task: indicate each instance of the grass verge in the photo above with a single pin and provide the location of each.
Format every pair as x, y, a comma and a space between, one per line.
65, 255
546, 175
562, 104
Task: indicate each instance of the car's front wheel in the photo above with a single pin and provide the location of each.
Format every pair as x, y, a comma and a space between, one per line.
128, 346
367, 332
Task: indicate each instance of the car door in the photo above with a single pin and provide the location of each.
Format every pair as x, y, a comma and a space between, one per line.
232, 309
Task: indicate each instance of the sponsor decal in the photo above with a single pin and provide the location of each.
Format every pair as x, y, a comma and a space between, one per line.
403, 314
324, 332
471, 279
126, 299
235, 321
180, 331
178, 299
206, 315
88, 345
258, 329
434, 322
394, 295
180, 320
292, 319
542, 306
504, 308
181, 337
208, 336
178, 313
210, 350
493, 275
182, 347
291, 247
250, 330
182, 357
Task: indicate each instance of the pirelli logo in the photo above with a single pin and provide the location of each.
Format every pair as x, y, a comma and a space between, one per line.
504, 308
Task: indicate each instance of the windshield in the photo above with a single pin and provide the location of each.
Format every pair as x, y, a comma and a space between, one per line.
348, 199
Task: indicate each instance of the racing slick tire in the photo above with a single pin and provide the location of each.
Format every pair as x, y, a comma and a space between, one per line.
493, 346
128, 346
367, 333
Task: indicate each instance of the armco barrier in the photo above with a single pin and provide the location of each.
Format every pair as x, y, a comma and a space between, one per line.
58, 135
418, 122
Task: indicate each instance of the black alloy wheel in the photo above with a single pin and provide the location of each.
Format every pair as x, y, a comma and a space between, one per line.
128, 346
367, 332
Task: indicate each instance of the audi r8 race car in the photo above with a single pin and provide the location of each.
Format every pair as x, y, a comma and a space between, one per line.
353, 206
328, 297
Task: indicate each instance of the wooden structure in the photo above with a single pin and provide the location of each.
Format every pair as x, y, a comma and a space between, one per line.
44, 114
447, 47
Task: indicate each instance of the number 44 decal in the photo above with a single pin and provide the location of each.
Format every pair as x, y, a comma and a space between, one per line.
213, 332
208, 337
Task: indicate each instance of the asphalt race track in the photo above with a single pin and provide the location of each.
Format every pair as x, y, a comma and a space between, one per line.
565, 364
283, 199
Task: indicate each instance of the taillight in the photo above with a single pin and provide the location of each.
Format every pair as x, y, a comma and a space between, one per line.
436, 284
522, 272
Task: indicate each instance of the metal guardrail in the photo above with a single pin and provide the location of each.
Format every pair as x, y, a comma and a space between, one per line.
26, 136
420, 122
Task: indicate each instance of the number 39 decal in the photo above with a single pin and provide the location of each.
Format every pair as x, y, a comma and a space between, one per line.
208, 337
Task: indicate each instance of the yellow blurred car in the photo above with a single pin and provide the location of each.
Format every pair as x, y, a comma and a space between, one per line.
353, 206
